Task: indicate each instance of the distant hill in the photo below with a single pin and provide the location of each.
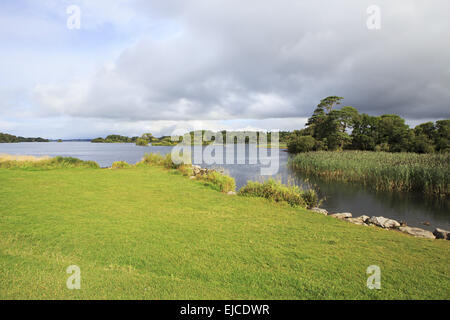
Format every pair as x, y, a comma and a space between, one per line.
9, 138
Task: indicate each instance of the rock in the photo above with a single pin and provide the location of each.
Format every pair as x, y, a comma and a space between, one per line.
417, 232
199, 171
321, 211
441, 234
358, 221
192, 177
403, 223
384, 222
343, 215
231, 193
426, 223
363, 218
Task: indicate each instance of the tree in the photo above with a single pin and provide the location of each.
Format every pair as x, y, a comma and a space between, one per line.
442, 138
422, 144
348, 116
148, 136
428, 129
329, 102
323, 109
141, 142
393, 131
299, 143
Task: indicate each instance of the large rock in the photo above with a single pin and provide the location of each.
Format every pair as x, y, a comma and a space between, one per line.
417, 232
343, 215
196, 169
199, 171
321, 211
383, 222
356, 221
363, 218
441, 234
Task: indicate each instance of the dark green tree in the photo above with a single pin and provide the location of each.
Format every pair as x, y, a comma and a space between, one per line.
442, 138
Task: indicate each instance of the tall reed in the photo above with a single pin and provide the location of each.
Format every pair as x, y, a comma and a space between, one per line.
426, 173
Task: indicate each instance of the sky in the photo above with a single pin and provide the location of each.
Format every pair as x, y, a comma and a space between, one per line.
138, 66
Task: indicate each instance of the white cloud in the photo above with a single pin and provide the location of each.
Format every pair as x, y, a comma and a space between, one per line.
187, 61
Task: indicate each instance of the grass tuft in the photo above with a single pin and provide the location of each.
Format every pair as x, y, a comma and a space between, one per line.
276, 191
120, 165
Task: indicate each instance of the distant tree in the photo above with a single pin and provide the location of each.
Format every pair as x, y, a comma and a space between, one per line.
98, 140
9, 138
148, 136
141, 142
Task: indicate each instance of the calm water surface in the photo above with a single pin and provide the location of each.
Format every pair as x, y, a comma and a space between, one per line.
338, 197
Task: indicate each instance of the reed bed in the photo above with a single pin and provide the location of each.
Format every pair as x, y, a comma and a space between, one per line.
426, 173
31, 162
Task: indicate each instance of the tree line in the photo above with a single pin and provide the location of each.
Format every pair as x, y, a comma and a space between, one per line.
9, 138
337, 129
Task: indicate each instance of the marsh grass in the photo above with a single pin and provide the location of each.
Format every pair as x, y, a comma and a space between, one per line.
426, 173
158, 160
275, 191
30, 162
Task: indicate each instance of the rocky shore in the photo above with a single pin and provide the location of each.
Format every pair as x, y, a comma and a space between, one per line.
387, 223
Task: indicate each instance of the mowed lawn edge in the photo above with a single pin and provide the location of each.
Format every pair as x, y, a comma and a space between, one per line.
150, 233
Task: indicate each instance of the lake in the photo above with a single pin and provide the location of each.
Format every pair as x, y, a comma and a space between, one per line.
338, 197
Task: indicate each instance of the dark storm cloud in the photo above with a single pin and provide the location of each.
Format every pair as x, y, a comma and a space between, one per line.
271, 59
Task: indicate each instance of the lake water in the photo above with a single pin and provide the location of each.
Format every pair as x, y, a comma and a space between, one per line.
338, 197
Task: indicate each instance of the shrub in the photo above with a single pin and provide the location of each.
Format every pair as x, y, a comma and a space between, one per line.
186, 170
311, 198
275, 191
159, 160
299, 144
219, 181
152, 159
120, 165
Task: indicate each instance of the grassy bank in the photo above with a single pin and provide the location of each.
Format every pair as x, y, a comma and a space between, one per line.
427, 173
146, 232
43, 163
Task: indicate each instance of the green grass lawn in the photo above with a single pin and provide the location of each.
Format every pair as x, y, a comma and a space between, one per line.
147, 233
